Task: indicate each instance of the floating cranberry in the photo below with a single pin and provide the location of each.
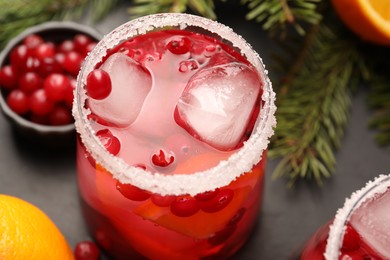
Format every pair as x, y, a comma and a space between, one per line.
8, 77
86, 250
56, 85
45, 50
32, 41
40, 104
98, 84
351, 240
162, 159
29, 82
222, 235
72, 62
207, 195
179, 46
132, 192
237, 217
17, 100
218, 202
184, 206
110, 142
60, 115
188, 65
162, 201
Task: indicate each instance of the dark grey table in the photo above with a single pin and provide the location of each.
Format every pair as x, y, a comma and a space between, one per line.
288, 217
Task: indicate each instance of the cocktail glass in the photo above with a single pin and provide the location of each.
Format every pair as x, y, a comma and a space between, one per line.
178, 171
360, 229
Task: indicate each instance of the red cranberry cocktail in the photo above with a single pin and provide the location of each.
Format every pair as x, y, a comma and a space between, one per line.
174, 113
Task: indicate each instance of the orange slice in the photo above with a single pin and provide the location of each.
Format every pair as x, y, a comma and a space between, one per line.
370, 19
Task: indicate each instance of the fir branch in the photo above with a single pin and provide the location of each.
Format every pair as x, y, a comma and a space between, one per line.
17, 15
306, 142
144, 7
277, 14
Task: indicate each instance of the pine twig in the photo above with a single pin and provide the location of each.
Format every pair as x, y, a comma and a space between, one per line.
306, 142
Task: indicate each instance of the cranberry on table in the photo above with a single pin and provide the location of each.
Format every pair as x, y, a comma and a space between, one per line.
86, 250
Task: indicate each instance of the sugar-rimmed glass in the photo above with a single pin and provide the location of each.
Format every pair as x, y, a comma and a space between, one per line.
153, 231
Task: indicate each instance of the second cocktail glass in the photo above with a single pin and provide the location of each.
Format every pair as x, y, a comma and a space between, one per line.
174, 113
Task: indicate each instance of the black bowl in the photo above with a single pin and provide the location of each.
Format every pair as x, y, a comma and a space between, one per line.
38, 133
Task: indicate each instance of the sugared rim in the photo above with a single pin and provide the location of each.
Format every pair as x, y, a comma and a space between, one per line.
226, 171
336, 233
40, 28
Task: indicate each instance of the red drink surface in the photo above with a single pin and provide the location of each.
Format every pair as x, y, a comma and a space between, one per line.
162, 131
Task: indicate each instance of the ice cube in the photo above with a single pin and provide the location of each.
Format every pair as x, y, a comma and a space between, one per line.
217, 103
372, 222
130, 86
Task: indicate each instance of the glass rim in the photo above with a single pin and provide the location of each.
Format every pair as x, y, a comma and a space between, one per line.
193, 183
337, 229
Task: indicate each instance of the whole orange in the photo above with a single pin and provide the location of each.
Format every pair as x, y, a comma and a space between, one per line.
28, 233
370, 19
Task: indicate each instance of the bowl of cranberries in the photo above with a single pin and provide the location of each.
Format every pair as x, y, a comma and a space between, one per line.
38, 71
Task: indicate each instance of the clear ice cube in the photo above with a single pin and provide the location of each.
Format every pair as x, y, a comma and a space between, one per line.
217, 103
130, 86
372, 222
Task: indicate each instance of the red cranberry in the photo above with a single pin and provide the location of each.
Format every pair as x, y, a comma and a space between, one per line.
218, 202
45, 50
60, 115
110, 142
98, 84
179, 46
19, 57
237, 217
184, 206
55, 86
207, 195
81, 42
132, 192
29, 82
162, 159
17, 100
66, 46
90, 47
86, 250
222, 235
72, 62
32, 41
162, 201
40, 104
351, 240
8, 77
50, 65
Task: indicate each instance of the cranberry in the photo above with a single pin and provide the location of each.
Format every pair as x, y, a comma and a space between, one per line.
162, 201
40, 104
81, 42
50, 65
72, 62
179, 46
31, 64
29, 82
60, 115
56, 85
45, 50
69, 93
218, 202
86, 250
17, 100
222, 235
237, 217
8, 77
32, 41
162, 159
188, 65
207, 195
351, 240
132, 192
98, 84
19, 57
90, 47
110, 142
103, 239
66, 46
184, 206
